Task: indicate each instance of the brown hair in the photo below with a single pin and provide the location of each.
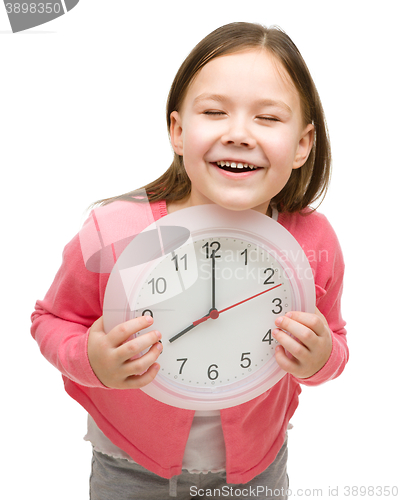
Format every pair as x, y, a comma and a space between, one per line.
306, 184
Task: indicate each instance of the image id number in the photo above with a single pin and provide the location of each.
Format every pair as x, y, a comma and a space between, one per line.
371, 491
33, 8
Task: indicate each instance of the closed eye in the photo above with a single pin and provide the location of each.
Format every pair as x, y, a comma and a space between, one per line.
213, 113
269, 118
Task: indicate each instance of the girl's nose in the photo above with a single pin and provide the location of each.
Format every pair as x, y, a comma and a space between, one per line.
238, 135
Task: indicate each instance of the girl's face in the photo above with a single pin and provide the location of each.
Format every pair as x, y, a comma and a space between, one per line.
240, 131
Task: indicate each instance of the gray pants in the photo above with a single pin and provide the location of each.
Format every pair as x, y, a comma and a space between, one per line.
118, 479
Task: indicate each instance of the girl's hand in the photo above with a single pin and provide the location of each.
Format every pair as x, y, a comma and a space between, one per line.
111, 354
307, 340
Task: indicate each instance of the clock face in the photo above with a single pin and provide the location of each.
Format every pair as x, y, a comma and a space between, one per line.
215, 300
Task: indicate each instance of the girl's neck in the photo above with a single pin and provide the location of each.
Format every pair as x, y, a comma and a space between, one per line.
174, 206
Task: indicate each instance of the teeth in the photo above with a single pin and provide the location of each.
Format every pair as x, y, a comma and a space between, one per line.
235, 165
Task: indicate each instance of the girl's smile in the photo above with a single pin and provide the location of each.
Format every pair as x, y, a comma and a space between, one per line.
235, 169
240, 131
237, 164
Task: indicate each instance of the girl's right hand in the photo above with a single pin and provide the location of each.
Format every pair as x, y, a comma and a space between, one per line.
110, 354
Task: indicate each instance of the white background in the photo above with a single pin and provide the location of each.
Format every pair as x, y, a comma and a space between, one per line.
82, 104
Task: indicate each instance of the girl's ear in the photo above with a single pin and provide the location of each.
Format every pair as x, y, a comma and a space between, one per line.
305, 145
176, 133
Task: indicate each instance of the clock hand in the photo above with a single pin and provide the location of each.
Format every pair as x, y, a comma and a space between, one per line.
213, 281
190, 327
214, 313
182, 332
249, 298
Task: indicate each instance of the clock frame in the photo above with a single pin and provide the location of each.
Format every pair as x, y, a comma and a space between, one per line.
214, 299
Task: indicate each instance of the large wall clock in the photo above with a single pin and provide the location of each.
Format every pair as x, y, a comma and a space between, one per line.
214, 299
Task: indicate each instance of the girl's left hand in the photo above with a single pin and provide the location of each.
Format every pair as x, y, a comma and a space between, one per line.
307, 340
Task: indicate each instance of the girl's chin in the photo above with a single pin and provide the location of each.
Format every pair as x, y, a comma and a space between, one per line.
235, 203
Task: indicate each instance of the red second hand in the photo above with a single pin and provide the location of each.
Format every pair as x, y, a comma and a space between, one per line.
245, 300
214, 313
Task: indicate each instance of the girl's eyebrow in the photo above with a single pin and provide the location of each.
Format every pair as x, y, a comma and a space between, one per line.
272, 103
268, 103
210, 97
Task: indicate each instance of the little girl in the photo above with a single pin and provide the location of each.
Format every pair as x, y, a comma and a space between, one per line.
248, 131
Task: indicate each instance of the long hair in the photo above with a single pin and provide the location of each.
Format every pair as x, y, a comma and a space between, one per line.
306, 184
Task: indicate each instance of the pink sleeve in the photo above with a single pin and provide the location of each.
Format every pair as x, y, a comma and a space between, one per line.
329, 271
338, 358
61, 321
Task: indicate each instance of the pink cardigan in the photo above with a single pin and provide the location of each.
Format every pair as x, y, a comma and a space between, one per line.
152, 433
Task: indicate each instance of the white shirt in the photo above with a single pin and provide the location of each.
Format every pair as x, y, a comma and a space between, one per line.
201, 455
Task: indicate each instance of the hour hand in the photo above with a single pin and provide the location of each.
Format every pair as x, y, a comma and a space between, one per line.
213, 314
175, 337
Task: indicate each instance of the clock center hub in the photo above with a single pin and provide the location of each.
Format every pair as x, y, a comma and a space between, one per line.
214, 314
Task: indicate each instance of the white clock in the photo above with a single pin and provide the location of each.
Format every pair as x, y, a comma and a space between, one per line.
214, 299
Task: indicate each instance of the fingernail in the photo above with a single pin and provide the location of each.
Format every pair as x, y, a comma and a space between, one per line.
159, 346
158, 334
149, 318
278, 321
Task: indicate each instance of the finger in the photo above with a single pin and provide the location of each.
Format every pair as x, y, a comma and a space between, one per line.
315, 322
98, 326
304, 331
140, 365
121, 333
291, 344
138, 381
285, 360
135, 347
322, 317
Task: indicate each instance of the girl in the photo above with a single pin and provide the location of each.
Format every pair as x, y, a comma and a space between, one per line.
248, 132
